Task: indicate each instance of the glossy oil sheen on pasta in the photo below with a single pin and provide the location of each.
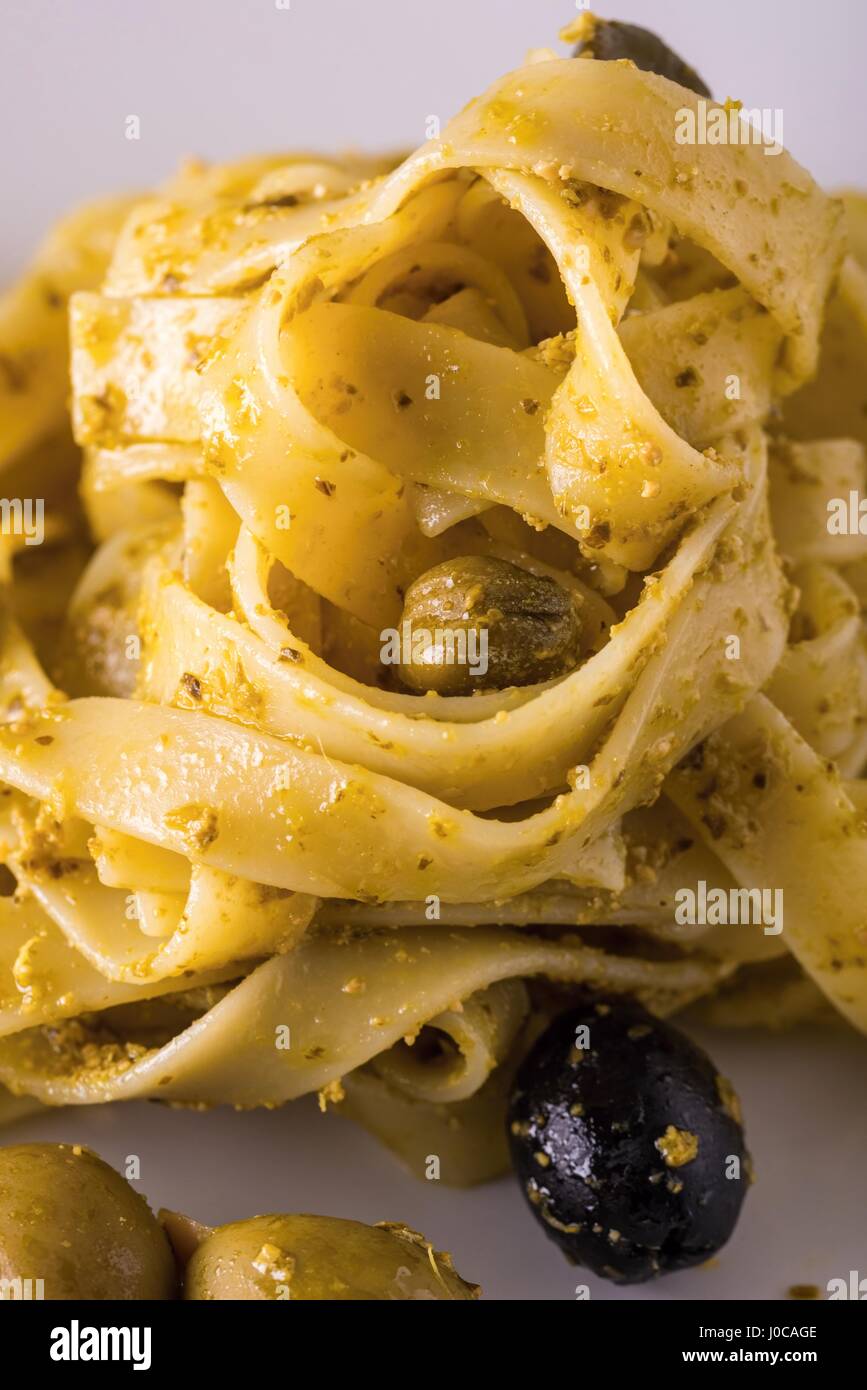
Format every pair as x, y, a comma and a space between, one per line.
246, 867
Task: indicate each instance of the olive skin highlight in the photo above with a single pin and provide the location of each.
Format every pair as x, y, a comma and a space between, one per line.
320, 1258
68, 1219
71, 1222
628, 1144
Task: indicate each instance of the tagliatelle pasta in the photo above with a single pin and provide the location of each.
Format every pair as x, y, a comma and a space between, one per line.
245, 861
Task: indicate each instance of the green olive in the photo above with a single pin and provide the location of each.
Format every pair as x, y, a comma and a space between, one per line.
612, 40
70, 1220
320, 1258
480, 623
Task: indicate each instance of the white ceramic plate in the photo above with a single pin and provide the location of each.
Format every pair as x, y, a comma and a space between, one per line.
804, 1221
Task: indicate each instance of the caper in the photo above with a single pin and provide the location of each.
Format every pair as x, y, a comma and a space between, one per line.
481, 623
613, 39
70, 1221
320, 1258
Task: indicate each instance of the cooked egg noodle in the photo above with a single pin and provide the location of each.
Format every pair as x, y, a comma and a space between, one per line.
248, 868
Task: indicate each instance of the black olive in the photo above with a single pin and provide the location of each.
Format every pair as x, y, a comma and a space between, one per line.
612, 39
627, 1143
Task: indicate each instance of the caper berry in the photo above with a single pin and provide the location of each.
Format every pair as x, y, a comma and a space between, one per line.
480, 623
320, 1258
613, 39
71, 1221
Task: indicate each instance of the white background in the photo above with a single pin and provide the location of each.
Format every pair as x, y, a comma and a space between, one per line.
220, 78
804, 1221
